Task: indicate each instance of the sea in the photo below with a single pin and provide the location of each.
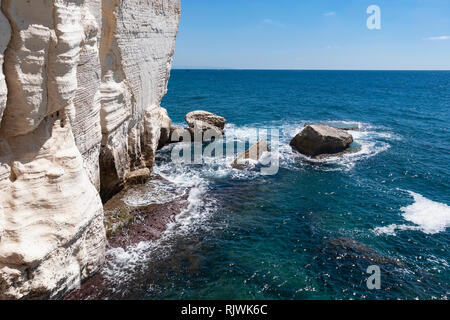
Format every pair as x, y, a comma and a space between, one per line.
312, 229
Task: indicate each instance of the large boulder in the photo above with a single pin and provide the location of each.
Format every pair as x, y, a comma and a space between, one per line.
205, 121
317, 140
255, 152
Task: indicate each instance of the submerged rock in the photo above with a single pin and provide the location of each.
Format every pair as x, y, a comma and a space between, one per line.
120, 212
253, 153
318, 140
350, 248
204, 121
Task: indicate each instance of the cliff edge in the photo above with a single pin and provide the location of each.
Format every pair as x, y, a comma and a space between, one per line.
80, 92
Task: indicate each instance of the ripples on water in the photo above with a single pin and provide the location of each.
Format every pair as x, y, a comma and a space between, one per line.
309, 232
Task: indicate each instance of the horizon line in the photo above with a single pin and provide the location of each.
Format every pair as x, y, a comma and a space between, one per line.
306, 69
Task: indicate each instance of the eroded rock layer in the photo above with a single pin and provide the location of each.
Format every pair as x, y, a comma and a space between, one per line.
80, 97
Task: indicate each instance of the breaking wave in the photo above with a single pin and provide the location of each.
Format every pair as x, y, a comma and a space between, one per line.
427, 216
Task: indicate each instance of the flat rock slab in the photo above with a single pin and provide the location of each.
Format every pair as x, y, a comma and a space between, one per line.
253, 153
139, 176
317, 140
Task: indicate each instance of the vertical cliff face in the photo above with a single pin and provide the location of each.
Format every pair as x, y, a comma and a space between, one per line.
79, 110
136, 50
4, 39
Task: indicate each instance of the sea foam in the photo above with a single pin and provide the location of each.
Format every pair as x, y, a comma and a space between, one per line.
427, 216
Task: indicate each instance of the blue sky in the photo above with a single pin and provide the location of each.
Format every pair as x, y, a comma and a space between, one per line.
313, 34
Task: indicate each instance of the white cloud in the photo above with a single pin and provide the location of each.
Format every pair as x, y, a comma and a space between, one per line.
329, 14
439, 38
271, 22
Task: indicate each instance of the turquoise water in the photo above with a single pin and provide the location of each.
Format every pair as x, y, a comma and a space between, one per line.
311, 230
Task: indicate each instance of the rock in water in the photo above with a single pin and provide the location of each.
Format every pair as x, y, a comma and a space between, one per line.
318, 140
139, 176
205, 120
254, 153
350, 248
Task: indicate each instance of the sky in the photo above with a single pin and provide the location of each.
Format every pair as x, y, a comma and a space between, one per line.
313, 34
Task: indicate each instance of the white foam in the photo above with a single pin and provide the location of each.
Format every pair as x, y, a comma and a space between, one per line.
154, 192
427, 216
122, 264
432, 217
391, 230
196, 214
244, 133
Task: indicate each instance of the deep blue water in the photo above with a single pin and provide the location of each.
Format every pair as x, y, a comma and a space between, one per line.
311, 230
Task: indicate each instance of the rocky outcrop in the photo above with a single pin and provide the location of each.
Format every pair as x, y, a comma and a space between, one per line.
166, 129
84, 82
204, 121
139, 176
254, 153
178, 134
136, 48
321, 140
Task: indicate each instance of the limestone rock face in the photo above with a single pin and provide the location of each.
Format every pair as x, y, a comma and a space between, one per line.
255, 152
316, 140
79, 110
5, 35
136, 48
166, 127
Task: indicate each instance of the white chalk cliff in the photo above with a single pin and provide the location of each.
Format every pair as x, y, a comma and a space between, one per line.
81, 83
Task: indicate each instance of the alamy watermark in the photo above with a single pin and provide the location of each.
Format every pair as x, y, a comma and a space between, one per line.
374, 20
374, 281
259, 148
